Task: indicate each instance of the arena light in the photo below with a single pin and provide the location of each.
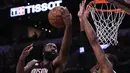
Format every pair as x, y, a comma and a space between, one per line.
81, 49
105, 46
28, 3
45, 29
23, 10
42, 28
35, 25
49, 31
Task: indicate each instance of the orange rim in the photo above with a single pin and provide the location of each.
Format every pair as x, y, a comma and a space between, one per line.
115, 10
101, 1
103, 10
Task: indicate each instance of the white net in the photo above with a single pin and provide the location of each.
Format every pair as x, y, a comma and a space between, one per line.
106, 23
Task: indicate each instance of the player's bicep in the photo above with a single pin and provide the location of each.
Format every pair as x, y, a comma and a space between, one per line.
26, 70
59, 70
58, 62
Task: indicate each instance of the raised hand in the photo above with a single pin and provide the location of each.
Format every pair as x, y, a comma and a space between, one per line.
26, 51
81, 8
67, 17
87, 11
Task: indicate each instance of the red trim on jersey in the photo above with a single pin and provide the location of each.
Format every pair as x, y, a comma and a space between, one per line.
51, 68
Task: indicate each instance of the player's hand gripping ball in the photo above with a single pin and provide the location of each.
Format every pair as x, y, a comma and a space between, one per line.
55, 17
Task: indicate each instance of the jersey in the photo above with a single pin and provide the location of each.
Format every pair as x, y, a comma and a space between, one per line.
40, 68
113, 71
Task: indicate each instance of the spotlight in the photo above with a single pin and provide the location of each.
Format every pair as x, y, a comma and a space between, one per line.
42, 28
81, 50
50, 31
45, 29
28, 3
35, 25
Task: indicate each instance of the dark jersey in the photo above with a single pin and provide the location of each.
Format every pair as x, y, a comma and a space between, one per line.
40, 68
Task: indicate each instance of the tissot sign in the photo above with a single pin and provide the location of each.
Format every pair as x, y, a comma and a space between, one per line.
23, 10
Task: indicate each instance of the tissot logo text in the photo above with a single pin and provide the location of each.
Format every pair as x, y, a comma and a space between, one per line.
19, 11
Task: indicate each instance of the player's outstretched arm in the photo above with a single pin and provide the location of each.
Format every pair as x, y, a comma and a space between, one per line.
62, 58
104, 63
21, 62
80, 13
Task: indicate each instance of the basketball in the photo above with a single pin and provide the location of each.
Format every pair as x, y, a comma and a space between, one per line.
55, 17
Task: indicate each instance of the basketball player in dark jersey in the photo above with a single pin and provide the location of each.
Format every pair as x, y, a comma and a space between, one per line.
104, 65
52, 62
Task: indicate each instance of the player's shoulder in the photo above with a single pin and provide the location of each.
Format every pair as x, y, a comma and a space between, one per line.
33, 62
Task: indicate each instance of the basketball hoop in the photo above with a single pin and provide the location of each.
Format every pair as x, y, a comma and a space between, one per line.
107, 19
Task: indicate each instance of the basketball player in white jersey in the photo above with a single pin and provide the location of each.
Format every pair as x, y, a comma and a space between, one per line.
103, 65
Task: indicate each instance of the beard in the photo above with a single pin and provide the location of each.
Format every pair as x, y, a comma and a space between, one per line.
50, 56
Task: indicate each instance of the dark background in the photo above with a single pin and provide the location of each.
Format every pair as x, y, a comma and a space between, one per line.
14, 37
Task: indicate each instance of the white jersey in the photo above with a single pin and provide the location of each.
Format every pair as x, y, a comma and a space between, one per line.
113, 71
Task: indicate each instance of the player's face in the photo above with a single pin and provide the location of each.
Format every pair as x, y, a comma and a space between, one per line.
51, 47
50, 52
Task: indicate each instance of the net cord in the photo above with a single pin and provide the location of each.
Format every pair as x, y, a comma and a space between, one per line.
106, 27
